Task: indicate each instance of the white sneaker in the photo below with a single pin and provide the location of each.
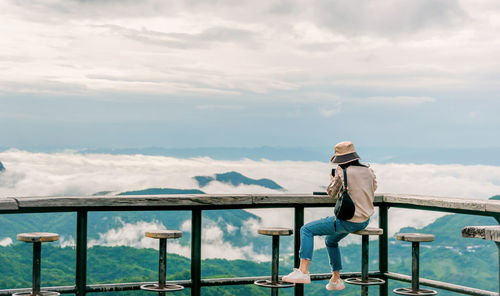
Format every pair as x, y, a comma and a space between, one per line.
296, 276
335, 286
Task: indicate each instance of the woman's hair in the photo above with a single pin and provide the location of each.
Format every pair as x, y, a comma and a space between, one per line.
354, 162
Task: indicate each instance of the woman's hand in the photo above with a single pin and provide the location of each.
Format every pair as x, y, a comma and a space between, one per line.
331, 178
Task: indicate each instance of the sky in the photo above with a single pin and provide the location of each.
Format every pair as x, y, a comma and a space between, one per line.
154, 73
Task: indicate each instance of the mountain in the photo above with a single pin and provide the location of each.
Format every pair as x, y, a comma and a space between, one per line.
236, 179
2, 168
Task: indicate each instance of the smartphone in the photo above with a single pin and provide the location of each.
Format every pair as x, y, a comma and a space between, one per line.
333, 172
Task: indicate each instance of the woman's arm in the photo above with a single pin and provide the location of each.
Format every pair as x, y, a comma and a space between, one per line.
335, 186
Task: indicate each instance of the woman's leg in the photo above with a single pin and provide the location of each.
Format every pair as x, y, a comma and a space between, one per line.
323, 226
304, 265
332, 247
332, 244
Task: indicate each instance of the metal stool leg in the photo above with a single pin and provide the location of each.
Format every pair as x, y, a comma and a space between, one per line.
161, 287
36, 238
275, 264
364, 263
415, 276
37, 252
364, 281
415, 268
162, 265
274, 283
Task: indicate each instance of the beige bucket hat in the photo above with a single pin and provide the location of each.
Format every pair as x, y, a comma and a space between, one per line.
344, 153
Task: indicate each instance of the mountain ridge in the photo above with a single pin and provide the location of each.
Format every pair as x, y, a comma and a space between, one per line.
235, 179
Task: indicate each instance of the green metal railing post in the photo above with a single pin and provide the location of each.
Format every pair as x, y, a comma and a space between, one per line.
498, 247
383, 241
81, 252
196, 253
299, 222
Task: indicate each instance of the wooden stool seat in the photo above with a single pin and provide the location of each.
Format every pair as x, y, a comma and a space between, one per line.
364, 281
161, 287
370, 231
275, 231
159, 234
274, 283
415, 237
491, 233
37, 237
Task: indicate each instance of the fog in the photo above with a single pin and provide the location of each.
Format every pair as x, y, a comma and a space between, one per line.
68, 173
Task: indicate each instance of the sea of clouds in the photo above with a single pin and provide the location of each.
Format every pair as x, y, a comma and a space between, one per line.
69, 173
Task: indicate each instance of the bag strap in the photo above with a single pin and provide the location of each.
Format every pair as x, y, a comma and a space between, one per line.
345, 178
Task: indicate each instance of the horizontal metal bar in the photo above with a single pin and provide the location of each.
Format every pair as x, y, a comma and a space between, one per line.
441, 209
250, 280
187, 283
128, 286
441, 285
60, 289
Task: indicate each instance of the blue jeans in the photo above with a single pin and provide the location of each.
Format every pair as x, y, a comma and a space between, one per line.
326, 227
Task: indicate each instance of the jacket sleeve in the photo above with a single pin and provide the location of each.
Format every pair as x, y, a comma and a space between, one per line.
335, 187
374, 181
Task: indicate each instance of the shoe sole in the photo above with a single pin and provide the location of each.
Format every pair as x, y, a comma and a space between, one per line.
336, 289
296, 281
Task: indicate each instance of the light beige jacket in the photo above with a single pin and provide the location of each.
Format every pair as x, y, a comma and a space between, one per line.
361, 185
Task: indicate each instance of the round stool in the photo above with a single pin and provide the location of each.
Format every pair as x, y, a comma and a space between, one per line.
161, 286
274, 283
37, 238
415, 239
364, 281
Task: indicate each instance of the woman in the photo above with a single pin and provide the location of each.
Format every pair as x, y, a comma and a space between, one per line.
361, 185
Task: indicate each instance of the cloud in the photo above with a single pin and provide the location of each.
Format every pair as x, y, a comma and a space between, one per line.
213, 245
67, 241
69, 173
219, 107
473, 114
6, 242
387, 18
32, 174
129, 234
400, 100
208, 37
258, 47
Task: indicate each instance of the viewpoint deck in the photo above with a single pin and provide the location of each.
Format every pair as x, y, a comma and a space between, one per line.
196, 203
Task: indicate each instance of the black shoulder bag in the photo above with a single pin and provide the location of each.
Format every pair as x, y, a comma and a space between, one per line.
344, 208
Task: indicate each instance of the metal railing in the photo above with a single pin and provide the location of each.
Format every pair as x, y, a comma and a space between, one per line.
82, 205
